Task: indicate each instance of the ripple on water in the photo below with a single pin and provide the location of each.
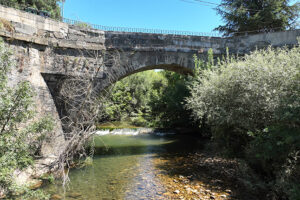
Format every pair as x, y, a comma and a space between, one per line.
146, 185
124, 170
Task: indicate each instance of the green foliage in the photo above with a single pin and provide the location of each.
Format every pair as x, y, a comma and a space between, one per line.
241, 95
256, 16
19, 135
294, 192
167, 103
150, 98
49, 177
275, 153
269, 148
252, 105
129, 96
83, 25
50, 6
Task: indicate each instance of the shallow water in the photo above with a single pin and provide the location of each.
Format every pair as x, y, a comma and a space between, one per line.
123, 168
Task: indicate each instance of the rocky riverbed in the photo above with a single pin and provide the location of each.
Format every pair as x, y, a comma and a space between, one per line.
203, 175
148, 166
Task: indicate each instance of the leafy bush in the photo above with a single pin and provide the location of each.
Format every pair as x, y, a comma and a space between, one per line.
167, 104
150, 98
241, 95
52, 6
253, 106
19, 135
129, 97
83, 25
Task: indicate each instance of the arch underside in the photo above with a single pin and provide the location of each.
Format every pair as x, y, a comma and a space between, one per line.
112, 76
170, 67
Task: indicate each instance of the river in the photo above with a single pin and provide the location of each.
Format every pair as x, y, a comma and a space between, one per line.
123, 167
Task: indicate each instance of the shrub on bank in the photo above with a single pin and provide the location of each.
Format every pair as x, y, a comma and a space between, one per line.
246, 94
252, 105
20, 138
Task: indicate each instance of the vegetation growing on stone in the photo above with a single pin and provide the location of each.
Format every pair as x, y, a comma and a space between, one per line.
50, 6
20, 135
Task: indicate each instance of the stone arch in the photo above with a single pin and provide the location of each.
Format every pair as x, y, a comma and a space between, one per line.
130, 63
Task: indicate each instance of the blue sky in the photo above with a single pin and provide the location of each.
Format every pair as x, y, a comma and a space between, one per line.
156, 14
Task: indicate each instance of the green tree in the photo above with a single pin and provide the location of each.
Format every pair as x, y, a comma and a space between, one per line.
241, 95
150, 98
50, 6
255, 16
167, 105
20, 135
252, 105
129, 98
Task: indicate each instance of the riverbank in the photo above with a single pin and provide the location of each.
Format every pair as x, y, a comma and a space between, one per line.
148, 166
206, 175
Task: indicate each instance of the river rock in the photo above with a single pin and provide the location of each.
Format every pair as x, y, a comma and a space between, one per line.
176, 192
2, 196
228, 191
35, 184
56, 197
74, 195
208, 191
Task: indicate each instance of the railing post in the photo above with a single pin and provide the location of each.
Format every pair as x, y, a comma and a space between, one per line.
141, 30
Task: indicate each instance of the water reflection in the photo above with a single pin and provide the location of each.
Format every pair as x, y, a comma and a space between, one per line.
123, 168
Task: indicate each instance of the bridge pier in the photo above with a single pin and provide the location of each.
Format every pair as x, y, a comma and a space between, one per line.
27, 68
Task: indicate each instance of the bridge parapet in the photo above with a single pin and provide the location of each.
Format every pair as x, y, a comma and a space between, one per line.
45, 31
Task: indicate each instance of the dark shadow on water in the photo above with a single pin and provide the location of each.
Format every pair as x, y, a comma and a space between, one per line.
176, 144
180, 155
218, 173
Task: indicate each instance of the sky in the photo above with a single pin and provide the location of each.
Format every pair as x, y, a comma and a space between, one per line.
181, 15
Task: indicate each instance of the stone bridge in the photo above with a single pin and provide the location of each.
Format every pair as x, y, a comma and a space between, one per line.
47, 50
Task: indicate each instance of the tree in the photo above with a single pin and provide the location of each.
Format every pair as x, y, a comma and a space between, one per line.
167, 108
20, 135
150, 98
255, 16
252, 105
44, 5
129, 98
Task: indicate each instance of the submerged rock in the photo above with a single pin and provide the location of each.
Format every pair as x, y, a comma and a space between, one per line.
56, 197
74, 195
35, 184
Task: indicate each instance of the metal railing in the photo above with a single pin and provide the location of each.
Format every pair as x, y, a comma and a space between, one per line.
132, 30
138, 30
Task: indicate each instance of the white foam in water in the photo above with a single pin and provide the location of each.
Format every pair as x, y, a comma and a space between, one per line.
128, 131
102, 132
125, 131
